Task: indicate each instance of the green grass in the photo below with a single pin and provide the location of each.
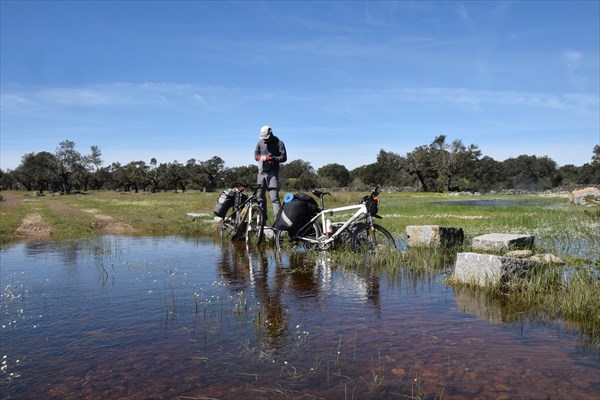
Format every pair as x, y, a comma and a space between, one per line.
546, 217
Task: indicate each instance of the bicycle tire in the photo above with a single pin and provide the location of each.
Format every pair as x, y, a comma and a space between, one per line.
367, 240
255, 226
229, 227
281, 237
312, 231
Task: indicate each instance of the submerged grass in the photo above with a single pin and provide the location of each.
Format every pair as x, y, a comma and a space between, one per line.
564, 296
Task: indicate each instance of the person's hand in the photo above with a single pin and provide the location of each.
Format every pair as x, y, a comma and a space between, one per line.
257, 158
268, 158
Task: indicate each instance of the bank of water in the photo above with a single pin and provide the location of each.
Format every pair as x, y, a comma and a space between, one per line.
149, 317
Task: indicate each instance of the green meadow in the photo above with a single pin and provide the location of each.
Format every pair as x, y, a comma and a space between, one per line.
546, 216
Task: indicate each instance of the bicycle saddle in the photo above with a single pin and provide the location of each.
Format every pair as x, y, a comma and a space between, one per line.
318, 193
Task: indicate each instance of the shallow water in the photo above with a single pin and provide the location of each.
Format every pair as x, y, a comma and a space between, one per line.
143, 318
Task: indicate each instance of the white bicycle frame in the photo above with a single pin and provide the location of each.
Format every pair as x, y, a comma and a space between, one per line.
325, 239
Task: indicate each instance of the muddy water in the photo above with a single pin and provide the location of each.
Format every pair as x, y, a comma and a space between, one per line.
167, 318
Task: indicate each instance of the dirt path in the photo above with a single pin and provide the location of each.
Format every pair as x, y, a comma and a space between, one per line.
33, 226
107, 225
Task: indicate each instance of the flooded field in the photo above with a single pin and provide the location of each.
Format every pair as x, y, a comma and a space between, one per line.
156, 318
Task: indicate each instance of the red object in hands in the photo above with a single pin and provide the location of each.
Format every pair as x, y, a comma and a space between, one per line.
257, 158
268, 158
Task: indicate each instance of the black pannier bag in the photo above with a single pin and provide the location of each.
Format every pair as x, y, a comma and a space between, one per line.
228, 199
296, 213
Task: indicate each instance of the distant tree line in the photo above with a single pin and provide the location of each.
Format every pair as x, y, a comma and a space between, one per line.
438, 166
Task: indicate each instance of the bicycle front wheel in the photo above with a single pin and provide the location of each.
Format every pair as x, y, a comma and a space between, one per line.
226, 228
232, 226
255, 226
372, 239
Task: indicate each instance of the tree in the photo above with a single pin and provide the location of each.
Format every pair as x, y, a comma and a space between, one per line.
93, 159
461, 162
69, 164
569, 174
390, 168
244, 174
117, 172
7, 180
531, 172
210, 173
367, 175
175, 175
156, 174
438, 164
37, 171
136, 175
102, 178
487, 174
338, 174
298, 174
419, 162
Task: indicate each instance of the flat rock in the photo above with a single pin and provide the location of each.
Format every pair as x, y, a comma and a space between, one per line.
197, 215
268, 233
547, 259
502, 242
434, 235
586, 196
483, 269
519, 253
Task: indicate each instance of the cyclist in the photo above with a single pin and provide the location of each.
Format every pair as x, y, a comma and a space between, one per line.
269, 152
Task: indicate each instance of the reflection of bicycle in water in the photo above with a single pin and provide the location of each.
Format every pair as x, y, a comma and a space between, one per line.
246, 219
360, 230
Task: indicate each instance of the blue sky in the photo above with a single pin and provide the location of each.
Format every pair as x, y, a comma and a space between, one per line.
337, 81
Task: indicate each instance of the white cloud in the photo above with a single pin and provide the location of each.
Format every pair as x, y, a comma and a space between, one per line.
572, 60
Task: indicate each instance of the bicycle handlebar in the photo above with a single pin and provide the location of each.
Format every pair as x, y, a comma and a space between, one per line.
255, 187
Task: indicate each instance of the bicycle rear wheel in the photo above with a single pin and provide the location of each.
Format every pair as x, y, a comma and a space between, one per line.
301, 240
255, 226
281, 238
375, 239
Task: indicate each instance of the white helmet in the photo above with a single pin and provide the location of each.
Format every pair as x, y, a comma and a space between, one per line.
265, 132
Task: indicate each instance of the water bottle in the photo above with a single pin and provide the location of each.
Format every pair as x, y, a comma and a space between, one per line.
328, 226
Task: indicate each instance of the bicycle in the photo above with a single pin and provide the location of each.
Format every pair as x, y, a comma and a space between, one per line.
360, 229
246, 219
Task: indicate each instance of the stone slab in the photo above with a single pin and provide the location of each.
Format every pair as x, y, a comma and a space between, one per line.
586, 196
268, 233
502, 242
197, 215
434, 236
483, 269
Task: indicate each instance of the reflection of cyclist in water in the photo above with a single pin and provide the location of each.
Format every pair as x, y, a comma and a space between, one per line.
242, 268
233, 265
269, 152
269, 291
